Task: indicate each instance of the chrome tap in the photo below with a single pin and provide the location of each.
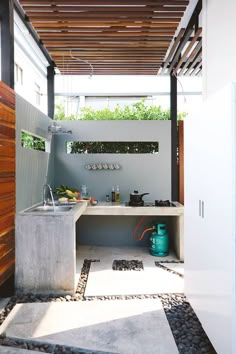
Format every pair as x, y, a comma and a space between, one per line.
44, 195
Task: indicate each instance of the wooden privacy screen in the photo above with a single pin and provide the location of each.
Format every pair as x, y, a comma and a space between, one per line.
7, 182
181, 161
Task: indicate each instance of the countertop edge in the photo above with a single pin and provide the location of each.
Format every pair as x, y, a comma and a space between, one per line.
103, 208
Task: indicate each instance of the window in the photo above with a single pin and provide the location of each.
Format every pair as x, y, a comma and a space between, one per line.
18, 74
37, 94
110, 147
31, 141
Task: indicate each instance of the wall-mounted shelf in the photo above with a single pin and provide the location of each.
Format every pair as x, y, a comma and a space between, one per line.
103, 166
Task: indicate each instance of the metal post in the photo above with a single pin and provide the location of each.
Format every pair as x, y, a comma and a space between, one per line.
174, 140
50, 86
7, 42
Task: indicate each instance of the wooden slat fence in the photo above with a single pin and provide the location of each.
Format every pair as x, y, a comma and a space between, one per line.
7, 182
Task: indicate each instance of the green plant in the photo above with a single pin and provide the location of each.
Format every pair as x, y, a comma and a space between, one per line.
32, 142
108, 147
136, 111
60, 113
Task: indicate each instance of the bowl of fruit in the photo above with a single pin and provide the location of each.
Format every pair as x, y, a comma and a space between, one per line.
93, 201
67, 195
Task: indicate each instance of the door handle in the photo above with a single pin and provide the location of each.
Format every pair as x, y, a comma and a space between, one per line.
200, 208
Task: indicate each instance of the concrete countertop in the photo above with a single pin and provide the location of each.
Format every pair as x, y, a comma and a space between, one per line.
76, 211
103, 208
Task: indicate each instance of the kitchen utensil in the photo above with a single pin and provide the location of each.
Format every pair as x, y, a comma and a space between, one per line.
136, 198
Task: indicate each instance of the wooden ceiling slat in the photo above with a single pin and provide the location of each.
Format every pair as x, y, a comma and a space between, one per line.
184, 54
180, 47
196, 69
95, 46
61, 56
111, 33
104, 39
104, 36
194, 63
172, 50
117, 66
119, 35
191, 57
104, 20
103, 67
112, 9
188, 49
112, 71
84, 23
111, 60
106, 2
114, 51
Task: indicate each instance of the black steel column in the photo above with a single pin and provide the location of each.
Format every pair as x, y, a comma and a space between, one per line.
7, 42
174, 138
51, 97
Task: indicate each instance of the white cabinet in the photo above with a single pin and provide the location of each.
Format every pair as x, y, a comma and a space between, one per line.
210, 240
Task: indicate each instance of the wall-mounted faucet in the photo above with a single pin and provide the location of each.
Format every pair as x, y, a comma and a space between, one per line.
44, 194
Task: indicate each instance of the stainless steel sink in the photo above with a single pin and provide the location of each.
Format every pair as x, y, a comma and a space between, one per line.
50, 208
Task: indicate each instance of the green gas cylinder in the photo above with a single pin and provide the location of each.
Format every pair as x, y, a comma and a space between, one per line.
159, 241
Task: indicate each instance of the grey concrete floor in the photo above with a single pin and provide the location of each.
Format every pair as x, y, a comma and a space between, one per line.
130, 327
136, 326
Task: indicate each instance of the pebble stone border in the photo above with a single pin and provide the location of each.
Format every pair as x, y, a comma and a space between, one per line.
188, 333
45, 347
187, 330
123, 265
163, 266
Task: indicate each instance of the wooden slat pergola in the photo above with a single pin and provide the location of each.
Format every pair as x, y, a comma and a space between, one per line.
126, 37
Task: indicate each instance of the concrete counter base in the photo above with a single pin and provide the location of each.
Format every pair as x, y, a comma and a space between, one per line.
46, 251
46, 244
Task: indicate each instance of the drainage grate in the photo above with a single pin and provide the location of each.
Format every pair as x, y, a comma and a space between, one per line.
122, 265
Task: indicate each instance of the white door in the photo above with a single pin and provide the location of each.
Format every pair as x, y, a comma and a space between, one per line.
210, 241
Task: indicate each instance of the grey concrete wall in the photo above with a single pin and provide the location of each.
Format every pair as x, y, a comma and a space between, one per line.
33, 168
117, 231
144, 172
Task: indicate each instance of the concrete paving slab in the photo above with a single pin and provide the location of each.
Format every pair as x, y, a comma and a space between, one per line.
102, 280
129, 326
11, 350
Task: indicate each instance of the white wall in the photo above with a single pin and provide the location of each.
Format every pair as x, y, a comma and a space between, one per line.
219, 49
210, 240
210, 177
33, 64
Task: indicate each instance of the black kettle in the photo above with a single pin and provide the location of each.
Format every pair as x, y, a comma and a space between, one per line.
137, 198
